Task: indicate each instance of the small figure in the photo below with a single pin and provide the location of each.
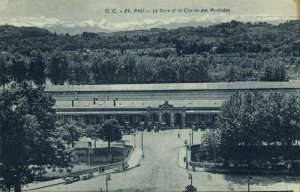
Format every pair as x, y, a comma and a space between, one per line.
178, 135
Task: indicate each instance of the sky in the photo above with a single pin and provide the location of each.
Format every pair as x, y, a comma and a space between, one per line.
93, 13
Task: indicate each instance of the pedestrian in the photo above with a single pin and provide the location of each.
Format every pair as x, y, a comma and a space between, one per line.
178, 135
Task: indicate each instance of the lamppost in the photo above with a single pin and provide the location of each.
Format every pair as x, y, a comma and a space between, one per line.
186, 155
215, 153
134, 140
193, 128
248, 180
89, 156
142, 140
191, 178
106, 180
89, 153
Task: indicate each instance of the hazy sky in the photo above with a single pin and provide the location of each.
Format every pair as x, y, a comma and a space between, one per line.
41, 13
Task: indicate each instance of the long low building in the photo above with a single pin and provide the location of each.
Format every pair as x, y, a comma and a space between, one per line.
174, 104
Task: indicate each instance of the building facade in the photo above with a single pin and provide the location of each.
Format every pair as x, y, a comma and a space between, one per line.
173, 104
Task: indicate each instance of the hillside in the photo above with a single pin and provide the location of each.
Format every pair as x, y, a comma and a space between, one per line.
232, 51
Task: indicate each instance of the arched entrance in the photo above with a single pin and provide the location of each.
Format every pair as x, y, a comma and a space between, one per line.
166, 118
154, 117
178, 119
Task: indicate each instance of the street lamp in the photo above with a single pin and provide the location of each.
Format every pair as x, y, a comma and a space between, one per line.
248, 181
193, 128
215, 152
142, 140
134, 140
89, 156
106, 180
89, 153
191, 178
186, 155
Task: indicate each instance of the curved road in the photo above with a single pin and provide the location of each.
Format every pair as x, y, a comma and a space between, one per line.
159, 171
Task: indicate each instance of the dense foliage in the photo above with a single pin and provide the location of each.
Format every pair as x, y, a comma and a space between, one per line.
110, 131
70, 132
232, 51
257, 127
29, 140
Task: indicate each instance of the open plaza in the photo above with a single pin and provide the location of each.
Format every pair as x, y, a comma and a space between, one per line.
162, 168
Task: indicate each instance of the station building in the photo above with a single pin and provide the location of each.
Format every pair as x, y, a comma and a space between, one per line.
173, 104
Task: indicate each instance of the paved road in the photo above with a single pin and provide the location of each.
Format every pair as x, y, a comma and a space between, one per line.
159, 171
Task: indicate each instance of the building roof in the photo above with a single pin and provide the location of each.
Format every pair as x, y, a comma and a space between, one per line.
102, 113
137, 104
246, 85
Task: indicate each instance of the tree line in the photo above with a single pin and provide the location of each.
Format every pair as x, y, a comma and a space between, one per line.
255, 128
113, 67
231, 51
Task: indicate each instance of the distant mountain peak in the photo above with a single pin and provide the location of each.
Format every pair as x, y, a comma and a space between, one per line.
104, 25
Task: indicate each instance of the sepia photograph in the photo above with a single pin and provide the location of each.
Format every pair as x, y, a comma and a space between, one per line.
150, 95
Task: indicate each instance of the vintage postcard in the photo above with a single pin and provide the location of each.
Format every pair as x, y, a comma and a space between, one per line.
149, 95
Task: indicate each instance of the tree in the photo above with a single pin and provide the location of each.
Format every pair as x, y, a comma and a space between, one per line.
164, 72
79, 70
231, 74
104, 68
267, 74
279, 73
70, 132
274, 73
290, 119
211, 144
251, 121
125, 71
4, 76
29, 141
36, 68
58, 68
92, 131
18, 68
110, 132
145, 70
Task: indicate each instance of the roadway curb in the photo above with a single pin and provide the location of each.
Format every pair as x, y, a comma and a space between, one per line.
139, 163
178, 159
141, 158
